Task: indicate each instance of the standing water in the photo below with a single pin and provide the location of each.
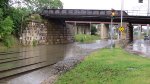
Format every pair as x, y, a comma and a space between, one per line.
142, 46
31, 60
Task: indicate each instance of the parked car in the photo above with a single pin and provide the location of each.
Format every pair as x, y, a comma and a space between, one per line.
146, 38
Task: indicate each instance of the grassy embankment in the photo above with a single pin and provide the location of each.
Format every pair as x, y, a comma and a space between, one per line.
109, 67
83, 38
9, 42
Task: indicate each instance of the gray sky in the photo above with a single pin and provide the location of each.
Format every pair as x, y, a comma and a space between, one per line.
105, 4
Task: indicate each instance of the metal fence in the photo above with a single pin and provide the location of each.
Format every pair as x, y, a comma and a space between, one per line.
137, 12
80, 12
85, 12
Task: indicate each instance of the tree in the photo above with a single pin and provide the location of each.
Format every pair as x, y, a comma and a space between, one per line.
12, 16
6, 23
4, 4
18, 16
38, 5
4, 7
1, 14
56, 4
6, 27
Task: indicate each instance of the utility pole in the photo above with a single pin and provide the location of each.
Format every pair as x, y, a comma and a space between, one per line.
148, 15
148, 9
111, 27
122, 5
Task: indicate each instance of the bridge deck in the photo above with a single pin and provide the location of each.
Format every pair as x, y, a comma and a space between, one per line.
92, 15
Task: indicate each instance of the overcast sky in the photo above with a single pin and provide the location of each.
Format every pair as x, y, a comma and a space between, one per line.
104, 4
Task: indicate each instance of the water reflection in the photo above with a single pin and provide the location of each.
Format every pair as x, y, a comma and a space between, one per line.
30, 58
44, 55
142, 46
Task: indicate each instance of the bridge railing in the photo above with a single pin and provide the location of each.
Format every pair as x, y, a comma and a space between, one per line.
136, 12
79, 12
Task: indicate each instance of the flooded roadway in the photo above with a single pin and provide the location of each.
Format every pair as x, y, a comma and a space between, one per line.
31, 60
141, 46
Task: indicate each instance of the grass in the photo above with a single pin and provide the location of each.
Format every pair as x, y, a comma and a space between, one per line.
83, 38
2, 46
109, 67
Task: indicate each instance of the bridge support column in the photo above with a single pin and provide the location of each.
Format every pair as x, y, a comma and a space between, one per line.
103, 31
147, 33
130, 33
75, 28
83, 29
139, 31
59, 32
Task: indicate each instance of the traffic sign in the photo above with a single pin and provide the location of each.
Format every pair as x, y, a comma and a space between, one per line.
121, 29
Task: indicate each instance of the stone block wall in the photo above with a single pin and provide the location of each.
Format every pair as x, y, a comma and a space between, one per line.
47, 32
59, 32
34, 32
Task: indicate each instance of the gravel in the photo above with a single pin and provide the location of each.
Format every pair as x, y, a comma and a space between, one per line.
62, 67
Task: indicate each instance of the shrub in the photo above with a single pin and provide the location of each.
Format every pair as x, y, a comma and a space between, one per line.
83, 38
93, 30
9, 41
35, 42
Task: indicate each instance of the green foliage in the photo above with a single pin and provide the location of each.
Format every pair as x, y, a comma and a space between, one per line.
4, 4
93, 30
85, 38
107, 66
18, 17
35, 17
9, 41
135, 33
39, 5
6, 27
1, 14
56, 4
13, 18
34, 42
